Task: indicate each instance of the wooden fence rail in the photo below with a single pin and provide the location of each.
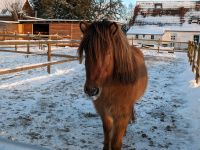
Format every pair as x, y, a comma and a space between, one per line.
159, 43
194, 59
36, 42
39, 36
15, 36
39, 65
49, 54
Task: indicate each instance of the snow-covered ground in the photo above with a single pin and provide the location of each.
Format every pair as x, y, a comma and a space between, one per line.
52, 111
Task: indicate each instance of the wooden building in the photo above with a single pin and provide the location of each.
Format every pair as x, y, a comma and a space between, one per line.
8, 27
66, 28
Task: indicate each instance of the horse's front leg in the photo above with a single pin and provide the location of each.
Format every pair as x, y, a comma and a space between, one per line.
132, 117
119, 128
107, 128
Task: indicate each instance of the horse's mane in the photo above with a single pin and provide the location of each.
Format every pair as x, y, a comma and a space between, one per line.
98, 38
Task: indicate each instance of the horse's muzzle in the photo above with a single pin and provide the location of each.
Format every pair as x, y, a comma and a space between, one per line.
91, 91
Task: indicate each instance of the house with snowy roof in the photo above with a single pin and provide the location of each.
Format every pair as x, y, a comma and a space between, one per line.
177, 8
174, 35
7, 15
167, 4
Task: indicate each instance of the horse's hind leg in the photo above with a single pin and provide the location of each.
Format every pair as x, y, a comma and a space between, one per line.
107, 128
119, 128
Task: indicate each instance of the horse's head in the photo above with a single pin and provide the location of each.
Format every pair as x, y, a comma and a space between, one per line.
97, 45
107, 57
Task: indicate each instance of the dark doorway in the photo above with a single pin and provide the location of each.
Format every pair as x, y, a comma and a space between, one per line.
41, 28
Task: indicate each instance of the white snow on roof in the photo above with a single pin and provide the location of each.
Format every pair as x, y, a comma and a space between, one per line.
184, 28
8, 22
156, 30
146, 30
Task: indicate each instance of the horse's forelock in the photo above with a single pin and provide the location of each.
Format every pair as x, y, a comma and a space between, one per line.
95, 42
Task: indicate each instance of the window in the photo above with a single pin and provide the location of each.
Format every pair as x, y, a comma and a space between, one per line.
136, 36
173, 37
158, 6
164, 45
143, 35
196, 38
152, 37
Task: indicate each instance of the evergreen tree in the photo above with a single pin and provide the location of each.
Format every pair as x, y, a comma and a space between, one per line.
38, 7
79, 9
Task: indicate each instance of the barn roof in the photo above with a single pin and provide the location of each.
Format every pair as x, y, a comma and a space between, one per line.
184, 28
41, 20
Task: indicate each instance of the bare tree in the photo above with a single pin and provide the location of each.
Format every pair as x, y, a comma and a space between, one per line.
14, 7
132, 20
109, 9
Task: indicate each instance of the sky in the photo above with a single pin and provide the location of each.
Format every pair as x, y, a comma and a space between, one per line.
127, 2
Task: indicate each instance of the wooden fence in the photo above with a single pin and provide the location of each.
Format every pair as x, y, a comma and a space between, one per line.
159, 44
55, 40
15, 36
194, 59
49, 43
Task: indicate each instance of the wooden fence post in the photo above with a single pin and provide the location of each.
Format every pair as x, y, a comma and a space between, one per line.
194, 57
198, 66
190, 47
28, 45
56, 39
39, 39
4, 32
191, 52
174, 47
188, 52
49, 58
15, 39
158, 45
71, 25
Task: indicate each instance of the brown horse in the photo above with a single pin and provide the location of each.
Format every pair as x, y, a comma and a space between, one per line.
116, 77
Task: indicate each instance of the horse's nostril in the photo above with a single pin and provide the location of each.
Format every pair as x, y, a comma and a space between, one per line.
91, 91
85, 89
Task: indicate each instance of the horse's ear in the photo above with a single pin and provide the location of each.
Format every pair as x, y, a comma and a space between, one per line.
113, 27
84, 26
